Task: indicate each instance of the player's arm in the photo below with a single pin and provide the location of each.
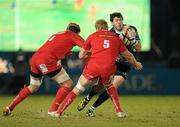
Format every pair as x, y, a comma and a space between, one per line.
129, 56
84, 53
86, 49
77, 39
131, 59
137, 47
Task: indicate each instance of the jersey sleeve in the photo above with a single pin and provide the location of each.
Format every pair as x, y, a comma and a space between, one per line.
87, 44
78, 40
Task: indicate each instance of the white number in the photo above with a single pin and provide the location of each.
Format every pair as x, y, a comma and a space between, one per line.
106, 44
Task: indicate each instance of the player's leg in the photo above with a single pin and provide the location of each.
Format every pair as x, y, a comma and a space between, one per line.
95, 89
24, 93
35, 82
112, 91
79, 88
66, 84
101, 99
118, 80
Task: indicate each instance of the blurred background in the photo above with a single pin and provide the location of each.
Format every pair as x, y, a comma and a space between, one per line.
26, 25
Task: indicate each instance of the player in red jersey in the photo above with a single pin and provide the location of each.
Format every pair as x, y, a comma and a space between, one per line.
47, 61
131, 39
105, 47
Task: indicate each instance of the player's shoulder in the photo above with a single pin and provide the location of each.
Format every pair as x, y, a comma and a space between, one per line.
112, 30
94, 34
91, 35
58, 34
107, 33
66, 32
71, 34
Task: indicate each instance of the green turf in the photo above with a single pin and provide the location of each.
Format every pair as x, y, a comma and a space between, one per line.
143, 111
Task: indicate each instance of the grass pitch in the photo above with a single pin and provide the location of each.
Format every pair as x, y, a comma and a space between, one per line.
143, 111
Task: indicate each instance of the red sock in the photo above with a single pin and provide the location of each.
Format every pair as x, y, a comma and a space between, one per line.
61, 94
25, 92
67, 101
112, 91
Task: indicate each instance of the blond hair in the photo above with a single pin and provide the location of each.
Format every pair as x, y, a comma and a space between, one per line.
101, 24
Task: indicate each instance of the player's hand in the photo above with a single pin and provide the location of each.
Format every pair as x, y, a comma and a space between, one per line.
119, 58
138, 66
131, 33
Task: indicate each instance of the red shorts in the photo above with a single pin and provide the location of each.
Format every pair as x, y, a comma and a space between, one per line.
44, 66
91, 72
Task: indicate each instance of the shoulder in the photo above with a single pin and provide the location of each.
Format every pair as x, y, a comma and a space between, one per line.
112, 30
59, 34
68, 32
71, 34
93, 34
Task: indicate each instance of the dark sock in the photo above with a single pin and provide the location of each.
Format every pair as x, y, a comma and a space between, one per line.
101, 99
91, 94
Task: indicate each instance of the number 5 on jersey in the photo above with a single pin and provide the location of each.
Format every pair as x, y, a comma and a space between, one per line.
106, 44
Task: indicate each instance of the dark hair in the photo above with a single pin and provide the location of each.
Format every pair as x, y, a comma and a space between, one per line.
115, 14
74, 27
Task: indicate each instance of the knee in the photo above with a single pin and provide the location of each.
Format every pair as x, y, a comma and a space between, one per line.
80, 87
34, 84
68, 84
33, 88
116, 85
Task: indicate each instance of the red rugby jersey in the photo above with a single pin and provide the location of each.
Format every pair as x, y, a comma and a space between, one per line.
59, 45
105, 47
